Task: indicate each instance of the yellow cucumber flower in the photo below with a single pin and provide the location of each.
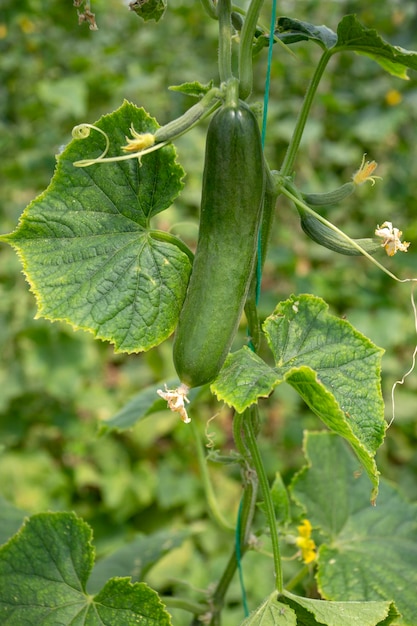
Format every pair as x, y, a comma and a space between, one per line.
365, 171
305, 542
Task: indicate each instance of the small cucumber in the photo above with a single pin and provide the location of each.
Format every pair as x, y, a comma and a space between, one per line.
231, 209
330, 197
325, 236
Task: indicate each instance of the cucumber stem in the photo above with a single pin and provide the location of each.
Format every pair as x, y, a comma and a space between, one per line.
208, 103
162, 235
245, 48
209, 8
289, 159
252, 445
225, 40
246, 513
208, 487
232, 92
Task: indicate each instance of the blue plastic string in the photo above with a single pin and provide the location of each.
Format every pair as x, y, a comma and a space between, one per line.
239, 561
263, 135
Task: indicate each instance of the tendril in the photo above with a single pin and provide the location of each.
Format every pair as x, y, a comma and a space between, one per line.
413, 361
82, 131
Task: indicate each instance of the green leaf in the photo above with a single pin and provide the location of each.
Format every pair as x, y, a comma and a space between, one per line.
334, 368
290, 610
290, 30
86, 246
193, 88
136, 557
369, 553
244, 378
352, 35
271, 613
280, 499
149, 9
316, 612
44, 569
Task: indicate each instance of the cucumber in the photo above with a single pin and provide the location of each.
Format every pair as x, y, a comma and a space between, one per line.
231, 210
325, 236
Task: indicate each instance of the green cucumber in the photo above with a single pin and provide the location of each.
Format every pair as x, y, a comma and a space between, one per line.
325, 236
231, 210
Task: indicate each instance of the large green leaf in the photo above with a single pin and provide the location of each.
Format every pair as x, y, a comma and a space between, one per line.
289, 610
272, 612
86, 246
351, 36
331, 365
368, 553
44, 570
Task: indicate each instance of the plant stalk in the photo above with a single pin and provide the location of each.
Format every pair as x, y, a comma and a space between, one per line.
290, 156
209, 8
247, 510
208, 487
225, 40
245, 48
252, 446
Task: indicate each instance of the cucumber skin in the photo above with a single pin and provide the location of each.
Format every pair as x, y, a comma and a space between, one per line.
231, 210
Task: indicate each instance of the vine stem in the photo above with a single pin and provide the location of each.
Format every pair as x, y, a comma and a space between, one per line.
225, 40
245, 48
289, 159
246, 513
208, 487
209, 8
253, 448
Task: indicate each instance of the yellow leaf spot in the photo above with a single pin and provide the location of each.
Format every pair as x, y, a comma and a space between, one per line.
3, 31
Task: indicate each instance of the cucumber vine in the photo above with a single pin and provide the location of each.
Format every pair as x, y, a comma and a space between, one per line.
94, 260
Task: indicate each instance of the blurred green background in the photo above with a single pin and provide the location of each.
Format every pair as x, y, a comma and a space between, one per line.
56, 385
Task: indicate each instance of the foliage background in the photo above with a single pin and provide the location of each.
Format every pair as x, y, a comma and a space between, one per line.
56, 384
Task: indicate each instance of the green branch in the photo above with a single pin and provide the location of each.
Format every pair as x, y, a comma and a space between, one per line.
209, 8
251, 416
225, 40
288, 163
208, 487
245, 48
